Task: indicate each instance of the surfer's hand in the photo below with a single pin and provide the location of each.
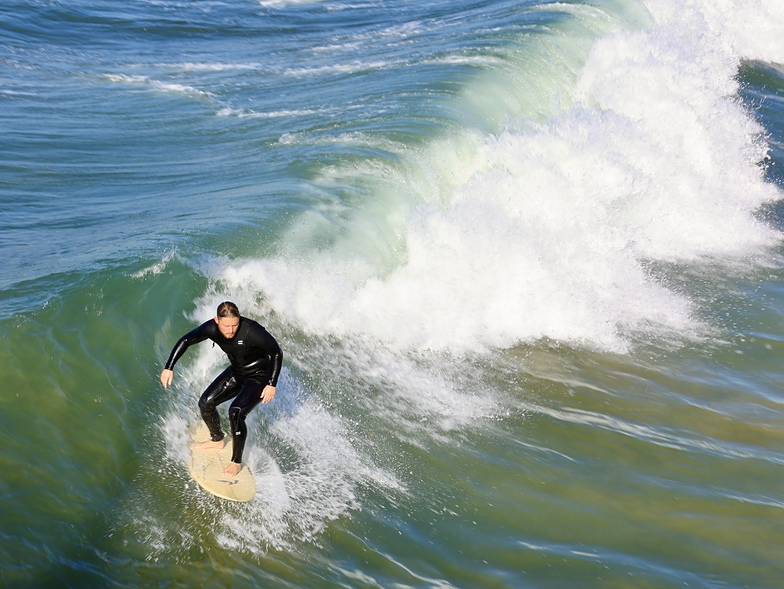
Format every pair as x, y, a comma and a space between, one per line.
267, 394
167, 376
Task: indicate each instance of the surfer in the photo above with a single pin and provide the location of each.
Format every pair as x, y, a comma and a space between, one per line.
251, 378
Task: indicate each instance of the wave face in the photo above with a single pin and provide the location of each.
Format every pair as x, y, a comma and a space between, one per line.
523, 259
545, 228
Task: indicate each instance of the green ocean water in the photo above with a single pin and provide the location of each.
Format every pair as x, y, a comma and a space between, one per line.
654, 469
532, 332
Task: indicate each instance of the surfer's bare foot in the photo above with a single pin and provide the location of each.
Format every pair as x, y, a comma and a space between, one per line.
232, 470
210, 445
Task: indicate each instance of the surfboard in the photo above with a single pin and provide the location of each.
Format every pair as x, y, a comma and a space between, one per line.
207, 465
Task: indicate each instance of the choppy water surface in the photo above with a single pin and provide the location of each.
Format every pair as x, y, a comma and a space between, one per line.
524, 261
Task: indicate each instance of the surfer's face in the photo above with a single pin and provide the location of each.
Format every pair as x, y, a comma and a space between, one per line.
228, 326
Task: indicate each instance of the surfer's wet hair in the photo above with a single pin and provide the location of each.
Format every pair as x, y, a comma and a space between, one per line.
227, 309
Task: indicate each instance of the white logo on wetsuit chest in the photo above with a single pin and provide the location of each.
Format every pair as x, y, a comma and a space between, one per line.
240, 342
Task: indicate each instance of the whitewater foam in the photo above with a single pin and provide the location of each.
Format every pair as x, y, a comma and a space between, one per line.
157, 85
303, 458
544, 230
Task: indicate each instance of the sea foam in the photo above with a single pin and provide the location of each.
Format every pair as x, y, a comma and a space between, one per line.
545, 228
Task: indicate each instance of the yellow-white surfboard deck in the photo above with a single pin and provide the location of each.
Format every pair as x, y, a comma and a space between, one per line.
208, 464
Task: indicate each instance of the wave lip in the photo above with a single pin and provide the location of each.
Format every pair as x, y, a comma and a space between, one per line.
550, 229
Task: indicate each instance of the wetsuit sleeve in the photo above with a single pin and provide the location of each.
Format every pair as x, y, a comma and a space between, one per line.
263, 339
277, 364
195, 336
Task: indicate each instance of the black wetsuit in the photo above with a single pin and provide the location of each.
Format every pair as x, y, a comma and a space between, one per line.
256, 361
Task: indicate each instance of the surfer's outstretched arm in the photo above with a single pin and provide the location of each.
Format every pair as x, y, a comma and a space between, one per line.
194, 336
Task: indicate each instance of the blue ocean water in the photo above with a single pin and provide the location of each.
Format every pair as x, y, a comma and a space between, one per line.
524, 260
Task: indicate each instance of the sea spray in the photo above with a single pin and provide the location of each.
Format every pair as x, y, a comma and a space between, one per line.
476, 240
305, 458
546, 227
538, 465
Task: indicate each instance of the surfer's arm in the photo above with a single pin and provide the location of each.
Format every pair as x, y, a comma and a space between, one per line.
195, 336
268, 345
277, 363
